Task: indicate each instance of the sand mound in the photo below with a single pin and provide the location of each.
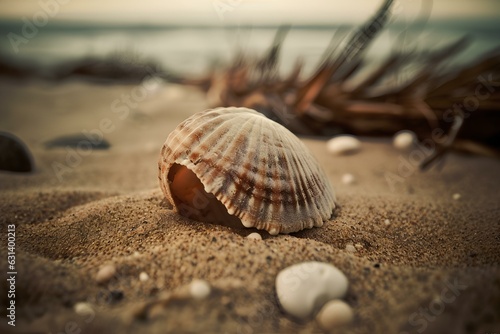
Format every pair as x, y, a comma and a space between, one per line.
416, 259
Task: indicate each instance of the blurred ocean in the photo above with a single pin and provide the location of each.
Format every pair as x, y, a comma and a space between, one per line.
191, 50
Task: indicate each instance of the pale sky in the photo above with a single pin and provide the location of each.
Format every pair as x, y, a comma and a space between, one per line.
220, 12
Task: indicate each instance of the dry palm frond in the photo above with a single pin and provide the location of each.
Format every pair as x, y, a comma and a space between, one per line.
328, 102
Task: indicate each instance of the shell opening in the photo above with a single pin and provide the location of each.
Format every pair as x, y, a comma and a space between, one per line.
193, 202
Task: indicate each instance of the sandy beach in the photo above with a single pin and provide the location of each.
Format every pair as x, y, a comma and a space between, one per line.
425, 260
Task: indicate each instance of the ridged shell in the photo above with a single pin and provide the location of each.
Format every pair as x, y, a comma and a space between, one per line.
260, 171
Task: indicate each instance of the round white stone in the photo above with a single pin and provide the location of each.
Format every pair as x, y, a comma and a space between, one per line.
304, 288
334, 314
83, 308
199, 289
105, 273
254, 236
143, 276
348, 179
387, 222
404, 140
456, 196
343, 145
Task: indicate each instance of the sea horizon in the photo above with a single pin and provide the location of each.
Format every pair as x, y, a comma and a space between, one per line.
192, 48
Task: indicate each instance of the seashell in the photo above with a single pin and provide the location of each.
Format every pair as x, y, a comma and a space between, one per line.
236, 167
335, 314
105, 273
254, 236
348, 178
199, 289
143, 276
404, 140
83, 309
342, 145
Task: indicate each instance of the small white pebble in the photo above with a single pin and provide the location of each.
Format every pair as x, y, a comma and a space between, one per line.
387, 222
83, 308
335, 314
456, 196
343, 145
254, 236
143, 276
136, 254
105, 273
404, 140
350, 248
348, 179
358, 246
303, 288
199, 289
